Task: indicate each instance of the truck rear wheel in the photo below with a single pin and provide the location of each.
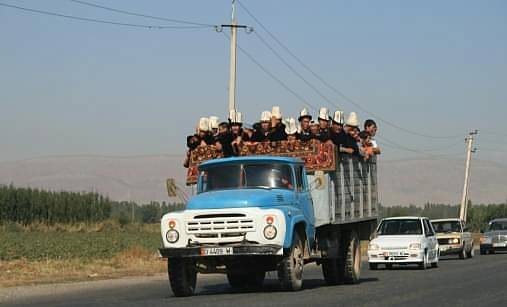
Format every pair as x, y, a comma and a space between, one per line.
290, 269
331, 271
352, 259
182, 276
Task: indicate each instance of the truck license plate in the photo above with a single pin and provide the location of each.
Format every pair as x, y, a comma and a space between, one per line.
216, 251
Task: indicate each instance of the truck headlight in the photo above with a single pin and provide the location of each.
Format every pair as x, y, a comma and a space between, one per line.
373, 247
414, 246
270, 232
454, 241
172, 236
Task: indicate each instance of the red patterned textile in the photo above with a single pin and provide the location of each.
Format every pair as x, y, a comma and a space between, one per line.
316, 155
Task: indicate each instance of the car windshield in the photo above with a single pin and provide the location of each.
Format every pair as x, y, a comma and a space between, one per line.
247, 176
447, 226
495, 226
400, 227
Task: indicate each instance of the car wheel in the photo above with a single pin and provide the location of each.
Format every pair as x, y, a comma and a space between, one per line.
373, 266
389, 266
435, 263
424, 264
471, 253
483, 251
463, 253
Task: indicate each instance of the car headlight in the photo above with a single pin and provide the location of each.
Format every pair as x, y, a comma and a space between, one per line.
414, 246
270, 232
373, 247
172, 236
454, 241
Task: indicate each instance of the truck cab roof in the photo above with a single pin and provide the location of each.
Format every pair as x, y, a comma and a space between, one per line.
446, 220
251, 159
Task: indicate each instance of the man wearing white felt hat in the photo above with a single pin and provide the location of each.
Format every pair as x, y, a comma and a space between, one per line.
324, 125
202, 137
352, 131
213, 125
238, 135
262, 128
338, 135
305, 119
277, 131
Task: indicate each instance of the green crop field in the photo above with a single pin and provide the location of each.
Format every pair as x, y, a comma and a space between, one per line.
40, 246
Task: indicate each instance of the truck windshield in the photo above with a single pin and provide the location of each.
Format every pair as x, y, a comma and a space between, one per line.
247, 176
447, 226
400, 227
495, 226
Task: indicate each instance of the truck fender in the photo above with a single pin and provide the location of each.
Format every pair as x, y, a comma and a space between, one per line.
291, 226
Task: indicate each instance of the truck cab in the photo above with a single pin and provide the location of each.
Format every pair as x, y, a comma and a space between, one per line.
250, 215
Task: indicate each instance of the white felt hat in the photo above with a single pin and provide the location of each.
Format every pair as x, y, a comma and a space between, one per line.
352, 120
213, 122
290, 126
276, 113
304, 113
266, 116
339, 117
323, 114
204, 124
235, 117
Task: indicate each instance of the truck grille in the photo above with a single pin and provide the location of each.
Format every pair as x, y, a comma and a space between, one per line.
216, 228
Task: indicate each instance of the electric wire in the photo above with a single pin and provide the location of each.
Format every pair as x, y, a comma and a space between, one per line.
95, 20
334, 89
141, 15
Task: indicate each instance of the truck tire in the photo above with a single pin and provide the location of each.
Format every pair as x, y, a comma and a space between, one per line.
290, 269
331, 271
352, 260
182, 276
249, 280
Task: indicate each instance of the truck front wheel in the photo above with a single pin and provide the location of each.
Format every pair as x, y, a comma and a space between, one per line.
182, 276
290, 269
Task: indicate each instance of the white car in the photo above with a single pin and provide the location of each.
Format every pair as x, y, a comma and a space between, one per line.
404, 240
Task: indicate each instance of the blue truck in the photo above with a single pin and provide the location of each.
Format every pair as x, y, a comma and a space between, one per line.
256, 214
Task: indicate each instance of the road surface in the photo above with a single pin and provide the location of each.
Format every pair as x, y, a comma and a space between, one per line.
481, 281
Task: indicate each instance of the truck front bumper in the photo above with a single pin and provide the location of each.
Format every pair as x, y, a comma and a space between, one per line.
237, 250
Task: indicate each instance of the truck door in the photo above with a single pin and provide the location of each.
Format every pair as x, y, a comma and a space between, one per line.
303, 195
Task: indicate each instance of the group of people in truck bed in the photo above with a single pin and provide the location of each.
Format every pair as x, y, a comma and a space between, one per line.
228, 136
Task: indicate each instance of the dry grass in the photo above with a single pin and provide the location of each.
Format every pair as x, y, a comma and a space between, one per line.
134, 261
105, 226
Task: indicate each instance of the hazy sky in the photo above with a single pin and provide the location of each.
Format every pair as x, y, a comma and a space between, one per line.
72, 87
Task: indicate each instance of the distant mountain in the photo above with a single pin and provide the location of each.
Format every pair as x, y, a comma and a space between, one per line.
143, 178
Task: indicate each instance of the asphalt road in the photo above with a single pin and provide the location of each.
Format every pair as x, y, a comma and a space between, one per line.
481, 281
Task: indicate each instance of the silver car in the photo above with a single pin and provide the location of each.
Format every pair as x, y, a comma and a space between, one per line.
495, 238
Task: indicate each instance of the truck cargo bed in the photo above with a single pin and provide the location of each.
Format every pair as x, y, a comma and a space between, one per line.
347, 195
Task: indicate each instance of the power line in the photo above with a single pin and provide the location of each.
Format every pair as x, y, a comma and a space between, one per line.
142, 15
334, 89
96, 20
270, 74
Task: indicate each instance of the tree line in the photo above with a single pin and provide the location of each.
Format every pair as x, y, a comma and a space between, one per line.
27, 206
478, 215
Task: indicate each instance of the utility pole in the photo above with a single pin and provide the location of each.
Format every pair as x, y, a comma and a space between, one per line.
232, 69
464, 198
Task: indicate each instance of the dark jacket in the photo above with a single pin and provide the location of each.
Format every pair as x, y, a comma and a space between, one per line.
277, 133
305, 136
324, 135
225, 140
